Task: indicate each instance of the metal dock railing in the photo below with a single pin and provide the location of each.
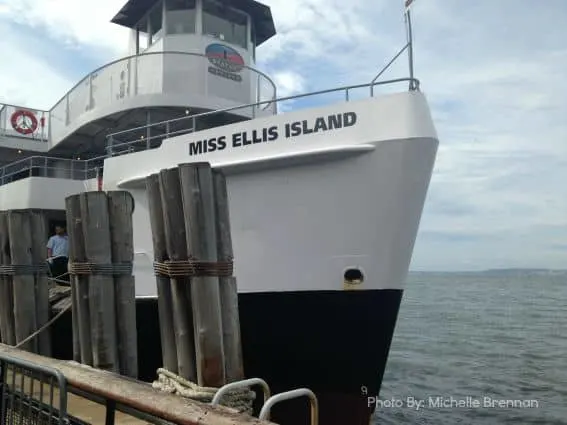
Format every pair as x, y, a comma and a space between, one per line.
45, 391
41, 390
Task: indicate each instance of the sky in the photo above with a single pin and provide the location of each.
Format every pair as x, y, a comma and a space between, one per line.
494, 73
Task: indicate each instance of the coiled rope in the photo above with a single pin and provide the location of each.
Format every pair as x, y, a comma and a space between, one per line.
240, 400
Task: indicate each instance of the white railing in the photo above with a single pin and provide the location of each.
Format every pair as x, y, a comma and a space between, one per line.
41, 166
178, 75
151, 135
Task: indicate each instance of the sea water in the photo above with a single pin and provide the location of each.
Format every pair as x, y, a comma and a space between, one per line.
478, 348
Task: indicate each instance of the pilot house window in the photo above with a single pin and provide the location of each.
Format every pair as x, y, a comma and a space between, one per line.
143, 36
156, 27
224, 23
180, 16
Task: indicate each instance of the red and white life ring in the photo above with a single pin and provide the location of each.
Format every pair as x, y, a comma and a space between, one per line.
24, 122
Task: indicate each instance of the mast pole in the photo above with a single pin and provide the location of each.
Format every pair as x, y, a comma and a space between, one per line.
409, 35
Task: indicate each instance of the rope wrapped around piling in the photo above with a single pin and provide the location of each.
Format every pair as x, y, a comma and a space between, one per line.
192, 267
113, 269
240, 400
23, 269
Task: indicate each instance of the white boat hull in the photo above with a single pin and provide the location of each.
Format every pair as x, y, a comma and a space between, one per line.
303, 210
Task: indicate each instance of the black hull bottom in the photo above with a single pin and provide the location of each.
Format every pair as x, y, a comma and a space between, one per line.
334, 343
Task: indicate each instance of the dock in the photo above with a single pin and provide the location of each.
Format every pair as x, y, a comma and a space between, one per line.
90, 392
105, 397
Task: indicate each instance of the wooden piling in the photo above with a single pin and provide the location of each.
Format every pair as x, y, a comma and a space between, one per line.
4, 307
39, 251
19, 233
200, 222
234, 366
175, 236
7, 324
96, 231
82, 338
167, 334
75, 321
120, 209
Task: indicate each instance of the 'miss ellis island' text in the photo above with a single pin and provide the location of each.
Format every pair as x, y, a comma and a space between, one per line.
273, 133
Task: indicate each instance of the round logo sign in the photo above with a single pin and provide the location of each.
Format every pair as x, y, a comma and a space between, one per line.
224, 57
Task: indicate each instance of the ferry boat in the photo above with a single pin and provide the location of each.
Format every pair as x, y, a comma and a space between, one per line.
325, 201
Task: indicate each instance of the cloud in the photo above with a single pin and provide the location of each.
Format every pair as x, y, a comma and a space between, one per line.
27, 79
74, 23
494, 74
288, 83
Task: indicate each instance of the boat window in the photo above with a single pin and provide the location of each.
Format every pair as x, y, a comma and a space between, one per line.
156, 25
143, 36
180, 16
253, 40
224, 23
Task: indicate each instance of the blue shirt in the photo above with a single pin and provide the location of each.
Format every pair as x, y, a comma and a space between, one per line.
59, 245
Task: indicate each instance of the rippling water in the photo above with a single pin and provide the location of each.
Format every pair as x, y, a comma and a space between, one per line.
486, 338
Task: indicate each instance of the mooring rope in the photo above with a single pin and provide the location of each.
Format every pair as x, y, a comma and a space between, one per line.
58, 279
44, 327
52, 320
239, 399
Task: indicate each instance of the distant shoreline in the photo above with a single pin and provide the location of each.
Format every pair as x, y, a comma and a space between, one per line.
499, 272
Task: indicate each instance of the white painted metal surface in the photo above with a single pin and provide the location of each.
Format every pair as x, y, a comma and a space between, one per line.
298, 226
168, 79
41, 192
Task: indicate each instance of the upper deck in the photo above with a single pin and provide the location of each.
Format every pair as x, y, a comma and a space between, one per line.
185, 57
162, 81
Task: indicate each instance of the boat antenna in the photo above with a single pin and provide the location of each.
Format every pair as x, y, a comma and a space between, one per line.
409, 44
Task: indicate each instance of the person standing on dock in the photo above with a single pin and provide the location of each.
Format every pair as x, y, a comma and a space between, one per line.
58, 254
